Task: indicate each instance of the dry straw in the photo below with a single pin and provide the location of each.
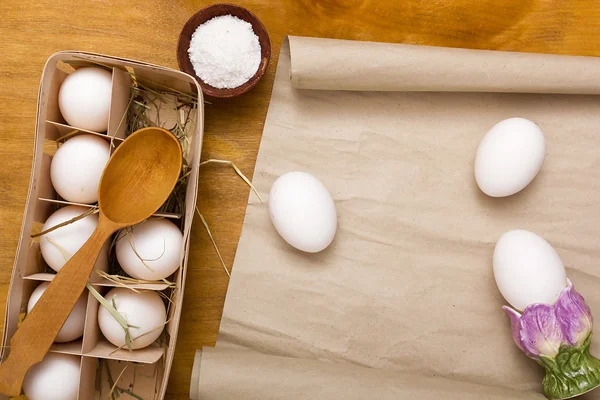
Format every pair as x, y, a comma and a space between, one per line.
117, 391
205, 223
114, 386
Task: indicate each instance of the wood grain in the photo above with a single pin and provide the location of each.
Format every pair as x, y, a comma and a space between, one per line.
148, 30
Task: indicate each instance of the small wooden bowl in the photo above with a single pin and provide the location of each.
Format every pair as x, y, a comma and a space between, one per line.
214, 11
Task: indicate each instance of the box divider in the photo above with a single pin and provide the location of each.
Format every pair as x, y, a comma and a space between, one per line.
53, 110
34, 263
70, 203
65, 132
45, 189
120, 96
87, 378
73, 348
91, 332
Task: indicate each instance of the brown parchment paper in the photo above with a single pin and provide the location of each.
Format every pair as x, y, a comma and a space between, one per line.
235, 374
330, 64
407, 285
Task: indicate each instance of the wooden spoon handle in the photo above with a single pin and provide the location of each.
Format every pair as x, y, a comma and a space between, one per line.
34, 337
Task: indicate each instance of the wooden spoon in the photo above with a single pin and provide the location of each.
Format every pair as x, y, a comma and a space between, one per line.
137, 180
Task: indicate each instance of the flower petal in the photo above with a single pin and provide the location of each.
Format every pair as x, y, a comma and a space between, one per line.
515, 323
541, 333
573, 315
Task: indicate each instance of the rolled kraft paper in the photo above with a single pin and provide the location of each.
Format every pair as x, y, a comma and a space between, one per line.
330, 64
232, 374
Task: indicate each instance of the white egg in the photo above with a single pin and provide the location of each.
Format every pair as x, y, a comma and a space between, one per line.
158, 244
145, 310
527, 269
62, 243
56, 377
73, 326
509, 157
77, 167
303, 211
84, 98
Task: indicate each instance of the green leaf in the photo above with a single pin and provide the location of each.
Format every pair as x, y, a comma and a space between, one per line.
562, 359
575, 361
571, 373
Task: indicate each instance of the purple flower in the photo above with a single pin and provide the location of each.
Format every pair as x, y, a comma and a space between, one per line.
542, 328
537, 331
574, 316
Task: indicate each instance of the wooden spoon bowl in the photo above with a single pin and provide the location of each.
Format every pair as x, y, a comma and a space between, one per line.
204, 15
155, 156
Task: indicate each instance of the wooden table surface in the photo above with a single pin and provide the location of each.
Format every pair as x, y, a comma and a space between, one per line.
31, 30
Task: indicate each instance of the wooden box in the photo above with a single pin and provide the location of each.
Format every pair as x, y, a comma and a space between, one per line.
147, 369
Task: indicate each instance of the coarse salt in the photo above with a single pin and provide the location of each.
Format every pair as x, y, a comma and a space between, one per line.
225, 52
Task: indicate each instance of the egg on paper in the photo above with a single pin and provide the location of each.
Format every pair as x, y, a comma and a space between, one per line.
77, 167
73, 326
509, 157
527, 269
56, 377
61, 243
144, 310
84, 98
150, 250
303, 211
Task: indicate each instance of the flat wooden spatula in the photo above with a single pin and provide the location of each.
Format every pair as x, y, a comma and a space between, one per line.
137, 180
